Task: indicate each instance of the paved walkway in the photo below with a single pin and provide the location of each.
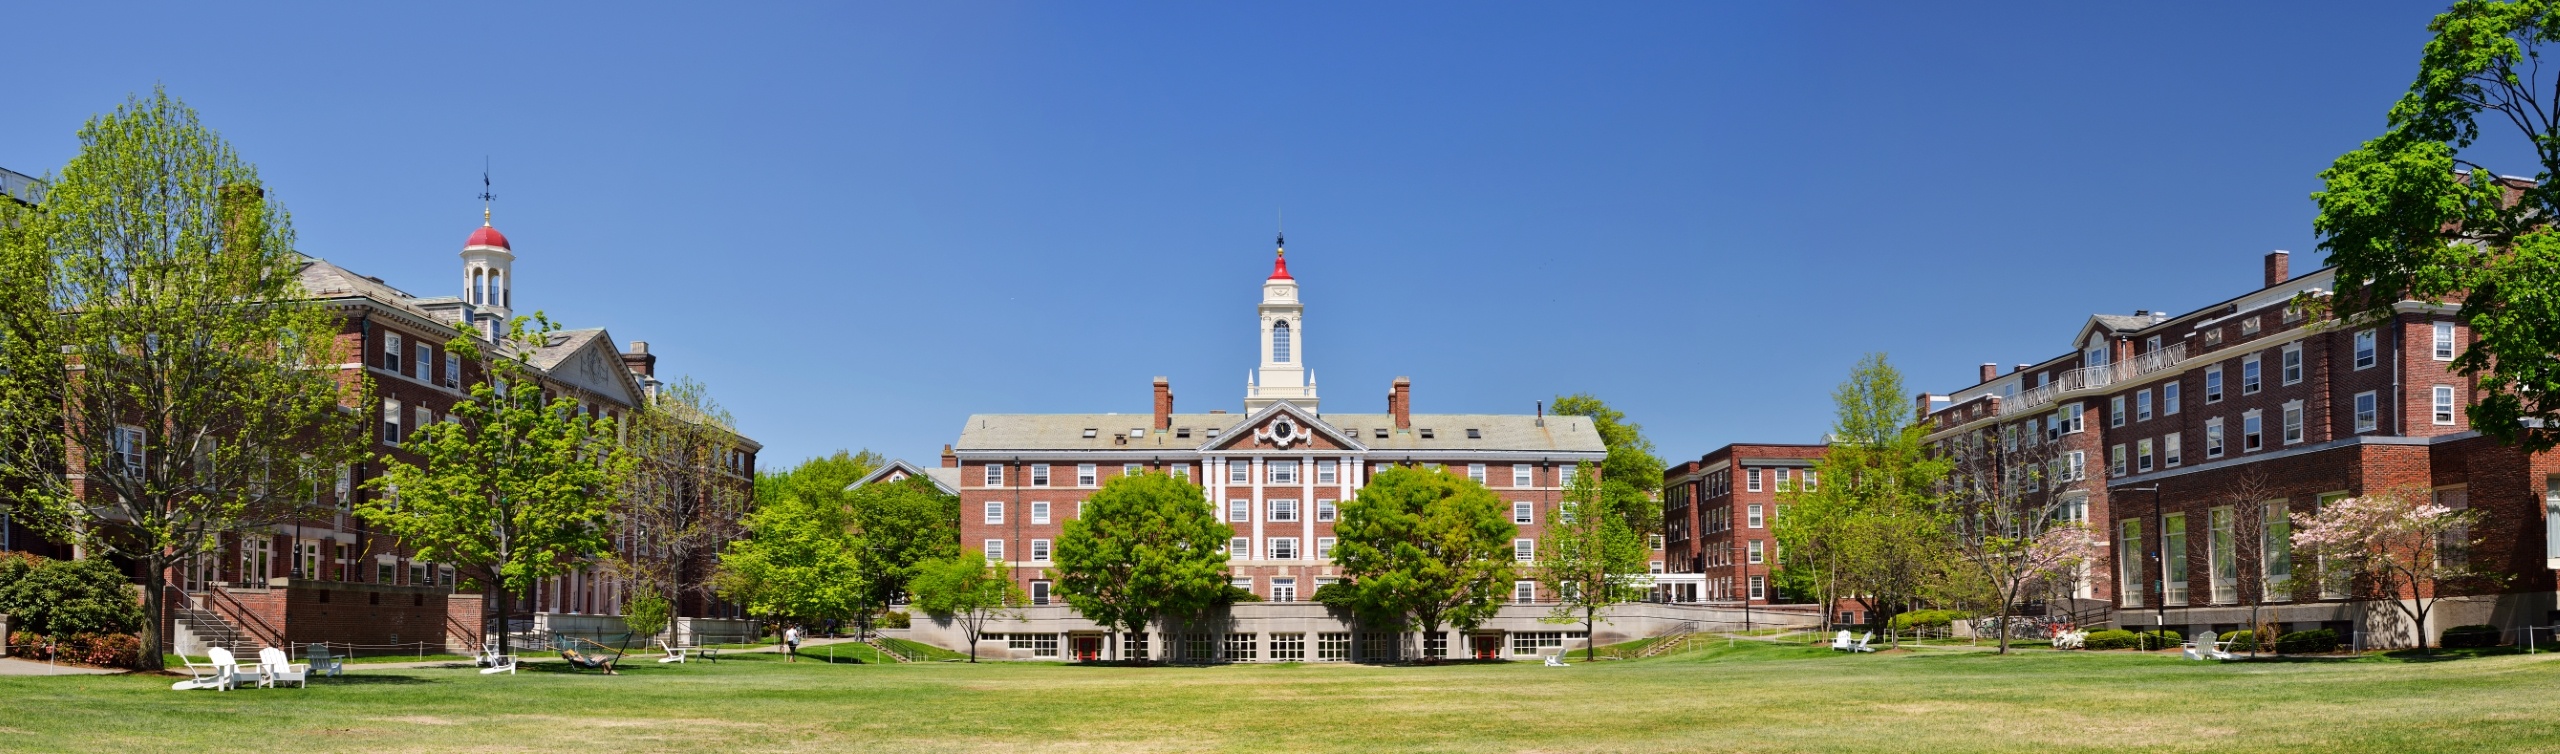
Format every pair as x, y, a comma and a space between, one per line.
15, 666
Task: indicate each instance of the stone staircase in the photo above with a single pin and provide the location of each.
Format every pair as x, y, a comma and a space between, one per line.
198, 629
883, 646
1678, 637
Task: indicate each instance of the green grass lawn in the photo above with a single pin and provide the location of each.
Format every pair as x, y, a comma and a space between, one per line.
1713, 698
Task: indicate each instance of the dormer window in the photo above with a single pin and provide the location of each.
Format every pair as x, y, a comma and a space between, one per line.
1280, 342
1475, 434
1182, 432
1136, 432
1426, 434
1090, 432
1382, 433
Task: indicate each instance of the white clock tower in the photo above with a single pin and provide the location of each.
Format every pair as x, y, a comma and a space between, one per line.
1283, 375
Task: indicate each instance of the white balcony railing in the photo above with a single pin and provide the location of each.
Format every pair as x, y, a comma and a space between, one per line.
2076, 380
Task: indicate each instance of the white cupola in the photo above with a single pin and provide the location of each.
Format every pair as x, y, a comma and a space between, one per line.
1283, 375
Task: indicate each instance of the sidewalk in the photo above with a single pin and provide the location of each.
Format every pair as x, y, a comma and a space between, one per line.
15, 666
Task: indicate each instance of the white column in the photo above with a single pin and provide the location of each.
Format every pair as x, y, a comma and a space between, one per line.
1253, 509
1307, 506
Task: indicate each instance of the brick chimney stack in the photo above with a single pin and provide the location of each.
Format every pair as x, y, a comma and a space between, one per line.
2277, 268
1400, 402
1164, 403
1924, 401
950, 460
1990, 371
639, 361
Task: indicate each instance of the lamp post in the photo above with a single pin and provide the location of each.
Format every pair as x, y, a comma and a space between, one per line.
2159, 550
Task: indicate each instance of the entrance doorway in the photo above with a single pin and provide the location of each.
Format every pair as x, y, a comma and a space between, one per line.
1485, 646
1087, 648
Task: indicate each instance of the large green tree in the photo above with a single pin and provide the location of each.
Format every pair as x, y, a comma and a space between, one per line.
1590, 558
1631, 475
1145, 547
2416, 214
680, 501
168, 382
800, 559
510, 489
968, 590
1867, 524
1423, 549
905, 524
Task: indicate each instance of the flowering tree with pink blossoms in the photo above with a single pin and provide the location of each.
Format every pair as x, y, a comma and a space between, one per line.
2398, 548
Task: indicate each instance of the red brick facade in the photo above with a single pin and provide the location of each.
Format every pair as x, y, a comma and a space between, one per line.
1719, 513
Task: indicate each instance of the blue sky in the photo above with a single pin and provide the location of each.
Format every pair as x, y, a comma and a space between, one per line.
858, 225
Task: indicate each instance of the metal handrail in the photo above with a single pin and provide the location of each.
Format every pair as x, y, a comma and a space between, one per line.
244, 618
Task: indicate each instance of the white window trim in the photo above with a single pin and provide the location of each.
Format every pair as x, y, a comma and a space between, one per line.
2364, 351
2366, 420
2444, 406
2447, 341
995, 512
2296, 423
2290, 369
1039, 512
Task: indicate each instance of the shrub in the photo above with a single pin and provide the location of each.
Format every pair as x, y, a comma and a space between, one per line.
1927, 619
102, 650
2161, 639
2474, 636
2314, 641
2241, 641
647, 615
2114, 638
65, 597
894, 619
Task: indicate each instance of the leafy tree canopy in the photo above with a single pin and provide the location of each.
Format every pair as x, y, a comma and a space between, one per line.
1423, 549
1631, 475
1144, 547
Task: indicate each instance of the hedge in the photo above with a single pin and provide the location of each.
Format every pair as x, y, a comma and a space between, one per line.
2161, 639
2315, 641
1928, 619
66, 597
2114, 638
102, 650
895, 619
2472, 637
2241, 641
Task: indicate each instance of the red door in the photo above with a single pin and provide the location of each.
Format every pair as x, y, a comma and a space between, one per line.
1088, 648
1487, 646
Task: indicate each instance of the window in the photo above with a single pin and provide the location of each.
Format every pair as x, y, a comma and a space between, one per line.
2078, 466
2174, 558
2444, 341
1755, 552
1287, 647
2213, 384
2292, 363
1039, 513
2169, 450
1324, 548
1328, 472
1283, 548
1087, 475
1754, 476
1283, 510
1809, 479
1240, 548
1532, 643
1132, 469
2169, 399
2368, 413
1752, 517
1524, 513
391, 351
1564, 476
1239, 511
1520, 475
1524, 591
1180, 471
1785, 480
994, 549
1282, 472
995, 512
995, 475
2222, 557
390, 421
426, 363
129, 443
1759, 587
1039, 550
1039, 475
2142, 405
1324, 510
2275, 543
1524, 550
1475, 471
452, 371
2069, 417
1653, 541
2213, 437
1333, 647
2331, 588
2129, 570
2252, 431
1474, 433
2115, 460
2142, 455
2364, 349
2444, 404
1239, 471
2249, 375
1564, 512
2115, 411
1280, 342
2292, 422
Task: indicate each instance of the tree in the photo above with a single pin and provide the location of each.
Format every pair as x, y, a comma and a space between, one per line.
2016, 506
2415, 213
1868, 522
799, 559
1587, 556
59, 598
1631, 475
647, 614
1422, 549
511, 489
968, 590
680, 503
2399, 548
172, 353
2262, 529
905, 524
1144, 547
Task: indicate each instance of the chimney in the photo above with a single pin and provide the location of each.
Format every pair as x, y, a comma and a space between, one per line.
639, 361
949, 460
1990, 371
1400, 402
1924, 401
1164, 403
1542, 413
2021, 368
2277, 269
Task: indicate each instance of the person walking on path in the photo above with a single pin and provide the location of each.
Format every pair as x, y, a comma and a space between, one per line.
791, 640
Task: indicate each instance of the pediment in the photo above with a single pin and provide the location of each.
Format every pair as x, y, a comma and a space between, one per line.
596, 368
1283, 427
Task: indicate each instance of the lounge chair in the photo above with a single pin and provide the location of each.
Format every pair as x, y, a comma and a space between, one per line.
674, 653
1557, 661
322, 662
2220, 650
218, 672
1861, 646
274, 668
492, 662
1841, 642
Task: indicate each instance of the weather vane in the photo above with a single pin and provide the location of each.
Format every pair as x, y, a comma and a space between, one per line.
485, 196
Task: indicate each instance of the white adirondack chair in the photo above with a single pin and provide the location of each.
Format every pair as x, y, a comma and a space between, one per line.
274, 668
1861, 646
324, 663
492, 662
1841, 642
215, 673
674, 653
2219, 650
1557, 661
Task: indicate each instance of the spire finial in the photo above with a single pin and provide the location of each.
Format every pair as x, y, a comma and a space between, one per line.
485, 196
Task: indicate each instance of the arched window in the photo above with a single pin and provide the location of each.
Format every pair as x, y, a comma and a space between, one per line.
1280, 342
477, 279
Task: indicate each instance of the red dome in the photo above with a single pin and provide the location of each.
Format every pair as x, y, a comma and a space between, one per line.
488, 236
1280, 269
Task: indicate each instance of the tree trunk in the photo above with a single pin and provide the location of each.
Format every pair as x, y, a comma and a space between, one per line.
2002, 625
506, 606
154, 581
1590, 633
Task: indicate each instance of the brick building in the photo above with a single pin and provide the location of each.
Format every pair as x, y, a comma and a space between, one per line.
1717, 513
2159, 425
1275, 472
